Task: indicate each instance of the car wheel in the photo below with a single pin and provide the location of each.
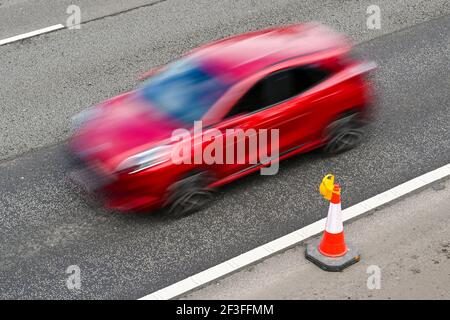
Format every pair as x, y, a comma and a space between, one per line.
189, 195
344, 134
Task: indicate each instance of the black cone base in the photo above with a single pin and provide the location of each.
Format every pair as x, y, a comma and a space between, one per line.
331, 264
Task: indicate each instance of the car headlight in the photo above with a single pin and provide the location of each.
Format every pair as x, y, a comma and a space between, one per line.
145, 160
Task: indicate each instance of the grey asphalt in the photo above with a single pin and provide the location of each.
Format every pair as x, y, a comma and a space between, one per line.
22, 16
413, 259
48, 79
47, 224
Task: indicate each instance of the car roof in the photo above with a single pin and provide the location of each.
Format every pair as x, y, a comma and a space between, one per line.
245, 54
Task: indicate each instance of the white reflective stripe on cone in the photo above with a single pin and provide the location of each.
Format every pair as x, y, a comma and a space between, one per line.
334, 219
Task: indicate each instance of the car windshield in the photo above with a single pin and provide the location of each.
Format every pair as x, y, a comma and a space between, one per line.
184, 90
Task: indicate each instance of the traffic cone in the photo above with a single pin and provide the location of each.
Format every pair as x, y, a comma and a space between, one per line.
333, 243
332, 253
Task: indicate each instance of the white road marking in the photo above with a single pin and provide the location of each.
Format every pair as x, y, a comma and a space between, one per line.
294, 238
31, 34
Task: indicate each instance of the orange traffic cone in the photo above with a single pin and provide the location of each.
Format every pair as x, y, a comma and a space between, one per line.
333, 243
332, 253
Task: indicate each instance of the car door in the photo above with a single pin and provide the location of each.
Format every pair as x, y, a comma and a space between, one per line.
263, 112
304, 107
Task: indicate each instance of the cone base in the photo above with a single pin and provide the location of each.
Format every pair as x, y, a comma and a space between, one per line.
335, 264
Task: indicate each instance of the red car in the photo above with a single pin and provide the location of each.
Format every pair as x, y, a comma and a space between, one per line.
301, 82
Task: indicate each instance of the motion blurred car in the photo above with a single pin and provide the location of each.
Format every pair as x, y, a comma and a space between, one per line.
301, 79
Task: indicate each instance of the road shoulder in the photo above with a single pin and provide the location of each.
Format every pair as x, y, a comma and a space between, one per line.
408, 241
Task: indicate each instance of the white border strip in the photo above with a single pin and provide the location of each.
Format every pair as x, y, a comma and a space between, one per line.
31, 34
294, 238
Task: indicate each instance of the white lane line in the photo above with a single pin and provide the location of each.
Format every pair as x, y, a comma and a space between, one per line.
294, 238
31, 34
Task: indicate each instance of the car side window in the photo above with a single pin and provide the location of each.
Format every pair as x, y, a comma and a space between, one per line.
278, 87
306, 77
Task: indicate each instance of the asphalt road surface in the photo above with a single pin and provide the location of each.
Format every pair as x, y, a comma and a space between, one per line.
46, 224
413, 258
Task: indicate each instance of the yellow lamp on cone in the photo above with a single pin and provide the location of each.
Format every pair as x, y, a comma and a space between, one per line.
326, 187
